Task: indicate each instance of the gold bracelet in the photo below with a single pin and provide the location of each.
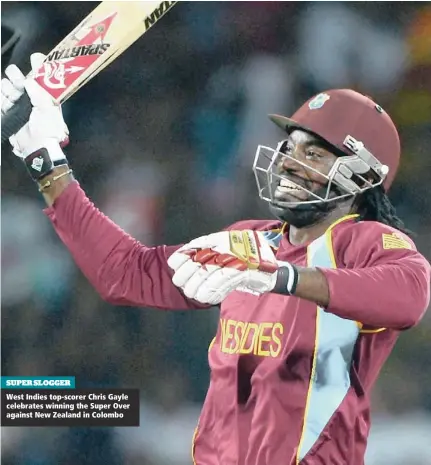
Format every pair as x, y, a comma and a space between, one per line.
48, 184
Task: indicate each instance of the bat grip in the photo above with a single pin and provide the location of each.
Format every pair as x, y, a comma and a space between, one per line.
16, 117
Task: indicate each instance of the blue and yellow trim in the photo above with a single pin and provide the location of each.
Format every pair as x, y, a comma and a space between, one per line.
334, 342
371, 331
312, 377
273, 236
328, 236
330, 245
195, 433
212, 343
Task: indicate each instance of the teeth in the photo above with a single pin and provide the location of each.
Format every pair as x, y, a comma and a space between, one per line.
286, 190
288, 184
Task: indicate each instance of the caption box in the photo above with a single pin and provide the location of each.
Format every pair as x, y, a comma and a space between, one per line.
77, 407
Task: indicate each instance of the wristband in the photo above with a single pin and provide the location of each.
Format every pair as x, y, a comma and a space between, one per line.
287, 280
41, 162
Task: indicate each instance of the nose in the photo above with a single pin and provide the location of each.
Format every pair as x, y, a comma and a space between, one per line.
288, 164
289, 161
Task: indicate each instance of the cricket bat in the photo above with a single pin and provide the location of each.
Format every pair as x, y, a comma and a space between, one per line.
97, 41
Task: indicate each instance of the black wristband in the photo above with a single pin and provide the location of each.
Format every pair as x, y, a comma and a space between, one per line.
287, 280
39, 164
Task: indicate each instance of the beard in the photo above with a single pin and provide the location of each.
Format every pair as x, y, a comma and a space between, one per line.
302, 216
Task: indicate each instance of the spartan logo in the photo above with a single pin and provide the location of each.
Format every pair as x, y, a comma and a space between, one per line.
158, 13
57, 65
79, 51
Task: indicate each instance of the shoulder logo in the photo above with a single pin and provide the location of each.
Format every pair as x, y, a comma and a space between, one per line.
318, 101
395, 241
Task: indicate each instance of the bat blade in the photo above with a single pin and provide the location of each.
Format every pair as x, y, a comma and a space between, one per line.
98, 40
101, 37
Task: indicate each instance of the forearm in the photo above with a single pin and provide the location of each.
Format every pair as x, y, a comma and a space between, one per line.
393, 296
55, 187
306, 283
313, 286
120, 268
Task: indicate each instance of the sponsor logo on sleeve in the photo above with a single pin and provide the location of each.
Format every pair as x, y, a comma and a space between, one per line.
395, 241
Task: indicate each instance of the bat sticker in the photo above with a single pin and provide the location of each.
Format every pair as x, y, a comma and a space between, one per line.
64, 65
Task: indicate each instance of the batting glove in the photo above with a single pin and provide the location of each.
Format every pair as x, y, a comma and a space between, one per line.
209, 268
39, 142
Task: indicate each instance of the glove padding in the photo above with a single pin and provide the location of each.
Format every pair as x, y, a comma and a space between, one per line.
208, 268
46, 128
12, 87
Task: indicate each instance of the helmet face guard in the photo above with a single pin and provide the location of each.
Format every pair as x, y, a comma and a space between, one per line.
350, 174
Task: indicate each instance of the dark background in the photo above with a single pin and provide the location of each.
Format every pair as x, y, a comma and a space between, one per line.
163, 141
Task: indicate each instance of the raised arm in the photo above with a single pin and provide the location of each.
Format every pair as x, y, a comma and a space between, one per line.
123, 271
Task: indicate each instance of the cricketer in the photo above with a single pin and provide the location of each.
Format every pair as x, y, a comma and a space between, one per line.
311, 301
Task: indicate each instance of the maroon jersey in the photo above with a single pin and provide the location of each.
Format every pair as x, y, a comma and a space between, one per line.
290, 381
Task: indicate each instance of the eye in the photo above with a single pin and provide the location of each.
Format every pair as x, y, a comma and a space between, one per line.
312, 155
288, 149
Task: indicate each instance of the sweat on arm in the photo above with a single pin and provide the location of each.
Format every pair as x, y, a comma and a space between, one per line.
120, 268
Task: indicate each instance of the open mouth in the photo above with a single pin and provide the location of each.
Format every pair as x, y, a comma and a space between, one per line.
287, 189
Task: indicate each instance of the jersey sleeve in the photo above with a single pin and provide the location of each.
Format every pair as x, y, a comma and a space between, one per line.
382, 281
121, 269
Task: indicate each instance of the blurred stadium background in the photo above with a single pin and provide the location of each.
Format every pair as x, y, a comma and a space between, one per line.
163, 142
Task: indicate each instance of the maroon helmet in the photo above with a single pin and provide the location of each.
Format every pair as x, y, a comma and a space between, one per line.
356, 127
336, 114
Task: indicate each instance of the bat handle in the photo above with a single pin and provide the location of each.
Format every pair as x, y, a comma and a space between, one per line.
16, 117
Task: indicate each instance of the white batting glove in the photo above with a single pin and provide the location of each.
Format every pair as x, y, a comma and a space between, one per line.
12, 88
209, 268
39, 141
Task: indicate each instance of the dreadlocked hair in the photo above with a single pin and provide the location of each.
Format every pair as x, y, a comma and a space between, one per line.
374, 205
